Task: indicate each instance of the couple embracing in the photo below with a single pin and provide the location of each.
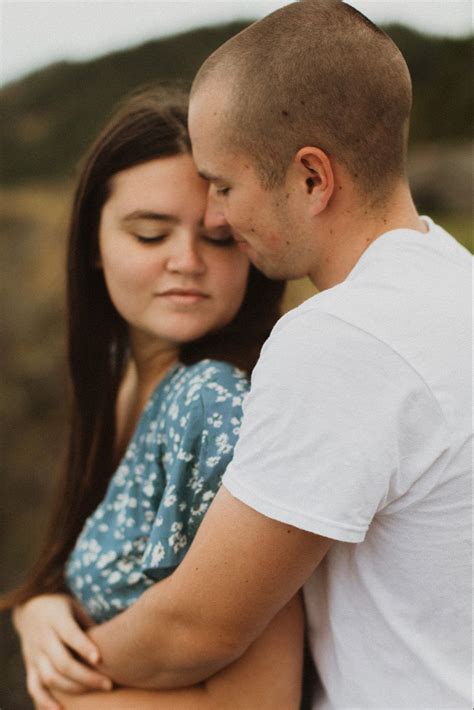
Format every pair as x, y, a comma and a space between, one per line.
331, 499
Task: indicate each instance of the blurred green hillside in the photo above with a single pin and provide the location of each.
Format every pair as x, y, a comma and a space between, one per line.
48, 118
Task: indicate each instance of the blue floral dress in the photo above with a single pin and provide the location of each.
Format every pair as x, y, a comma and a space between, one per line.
162, 488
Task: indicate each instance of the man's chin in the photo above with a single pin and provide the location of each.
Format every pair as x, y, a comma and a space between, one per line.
276, 272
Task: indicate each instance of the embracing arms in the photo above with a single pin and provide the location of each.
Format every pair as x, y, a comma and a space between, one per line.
240, 571
268, 675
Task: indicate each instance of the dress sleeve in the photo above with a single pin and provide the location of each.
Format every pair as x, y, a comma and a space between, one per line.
201, 429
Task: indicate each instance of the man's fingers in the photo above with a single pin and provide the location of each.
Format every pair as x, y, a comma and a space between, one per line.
41, 698
69, 668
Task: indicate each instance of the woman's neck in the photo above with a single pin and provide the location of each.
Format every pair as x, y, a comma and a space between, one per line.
149, 362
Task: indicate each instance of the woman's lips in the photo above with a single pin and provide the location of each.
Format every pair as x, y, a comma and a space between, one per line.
183, 296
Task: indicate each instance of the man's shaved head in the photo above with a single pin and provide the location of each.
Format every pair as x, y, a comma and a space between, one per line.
317, 73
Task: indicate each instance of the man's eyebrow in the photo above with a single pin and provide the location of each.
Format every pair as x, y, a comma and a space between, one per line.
146, 214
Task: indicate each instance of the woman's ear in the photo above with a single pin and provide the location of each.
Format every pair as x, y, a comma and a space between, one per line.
315, 176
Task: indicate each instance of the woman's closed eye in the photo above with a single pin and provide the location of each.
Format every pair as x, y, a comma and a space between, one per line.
226, 240
222, 191
152, 239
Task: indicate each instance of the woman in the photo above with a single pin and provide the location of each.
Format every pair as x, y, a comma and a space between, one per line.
151, 296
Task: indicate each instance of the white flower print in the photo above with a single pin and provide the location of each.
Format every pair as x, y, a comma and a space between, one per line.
125, 566
178, 540
212, 461
157, 554
215, 420
174, 411
106, 559
169, 497
134, 578
172, 467
222, 443
148, 490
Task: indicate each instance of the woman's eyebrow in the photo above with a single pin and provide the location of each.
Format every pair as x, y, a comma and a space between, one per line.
146, 214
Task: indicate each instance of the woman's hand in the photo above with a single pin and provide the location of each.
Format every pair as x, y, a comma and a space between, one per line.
56, 651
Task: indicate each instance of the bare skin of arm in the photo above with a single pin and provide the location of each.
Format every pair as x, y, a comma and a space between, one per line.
268, 675
240, 571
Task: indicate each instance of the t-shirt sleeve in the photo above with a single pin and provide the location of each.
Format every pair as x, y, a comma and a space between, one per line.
202, 426
332, 429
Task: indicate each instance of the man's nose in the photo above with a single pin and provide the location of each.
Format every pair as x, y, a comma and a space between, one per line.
213, 216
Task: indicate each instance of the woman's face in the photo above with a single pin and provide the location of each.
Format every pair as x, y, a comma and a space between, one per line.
168, 277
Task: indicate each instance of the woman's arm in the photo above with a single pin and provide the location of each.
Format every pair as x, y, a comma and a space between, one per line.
267, 676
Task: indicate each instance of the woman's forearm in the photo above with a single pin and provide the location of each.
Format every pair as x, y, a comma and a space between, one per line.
270, 682
267, 676
194, 698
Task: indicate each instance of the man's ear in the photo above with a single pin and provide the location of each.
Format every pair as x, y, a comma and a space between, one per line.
315, 175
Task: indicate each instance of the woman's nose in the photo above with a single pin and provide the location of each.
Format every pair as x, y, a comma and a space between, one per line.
186, 256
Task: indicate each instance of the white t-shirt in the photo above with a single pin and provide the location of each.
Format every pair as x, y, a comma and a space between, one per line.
358, 428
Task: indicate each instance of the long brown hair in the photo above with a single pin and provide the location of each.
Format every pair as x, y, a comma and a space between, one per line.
150, 124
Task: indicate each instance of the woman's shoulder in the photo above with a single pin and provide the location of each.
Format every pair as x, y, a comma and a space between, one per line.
204, 385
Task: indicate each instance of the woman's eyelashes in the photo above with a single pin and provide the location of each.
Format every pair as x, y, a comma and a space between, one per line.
220, 241
150, 240
226, 241
222, 191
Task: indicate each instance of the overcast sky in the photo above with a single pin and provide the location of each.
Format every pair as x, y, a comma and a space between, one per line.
36, 33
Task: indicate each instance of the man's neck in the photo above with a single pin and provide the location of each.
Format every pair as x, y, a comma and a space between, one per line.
349, 229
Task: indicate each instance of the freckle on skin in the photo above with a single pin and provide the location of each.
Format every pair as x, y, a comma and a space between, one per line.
287, 244
340, 187
285, 113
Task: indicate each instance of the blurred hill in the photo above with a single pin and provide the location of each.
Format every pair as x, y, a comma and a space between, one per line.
48, 117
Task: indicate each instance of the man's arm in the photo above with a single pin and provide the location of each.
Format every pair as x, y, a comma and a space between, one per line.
241, 569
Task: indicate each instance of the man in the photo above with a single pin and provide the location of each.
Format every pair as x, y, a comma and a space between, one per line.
351, 476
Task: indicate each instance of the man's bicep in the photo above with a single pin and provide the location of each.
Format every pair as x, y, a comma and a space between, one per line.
243, 567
